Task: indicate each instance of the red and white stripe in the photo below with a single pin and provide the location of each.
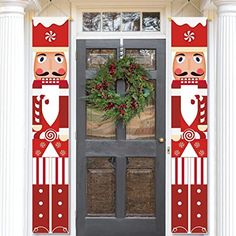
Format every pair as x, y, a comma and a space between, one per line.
198, 170
41, 170
50, 170
179, 171
185, 168
60, 170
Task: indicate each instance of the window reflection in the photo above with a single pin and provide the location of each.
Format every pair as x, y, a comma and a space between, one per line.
151, 21
91, 21
111, 21
121, 21
142, 126
97, 127
97, 57
131, 21
145, 57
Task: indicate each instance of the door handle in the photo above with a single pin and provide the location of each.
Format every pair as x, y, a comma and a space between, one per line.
161, 140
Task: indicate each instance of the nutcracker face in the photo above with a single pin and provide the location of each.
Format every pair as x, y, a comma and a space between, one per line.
189, 65
50, 65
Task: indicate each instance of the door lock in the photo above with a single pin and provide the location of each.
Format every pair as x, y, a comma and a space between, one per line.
161, 140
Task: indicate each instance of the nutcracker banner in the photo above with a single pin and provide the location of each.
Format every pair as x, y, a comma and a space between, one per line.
50, 125
189, 125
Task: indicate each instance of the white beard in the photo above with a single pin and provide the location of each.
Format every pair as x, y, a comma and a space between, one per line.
50, 110
189, 111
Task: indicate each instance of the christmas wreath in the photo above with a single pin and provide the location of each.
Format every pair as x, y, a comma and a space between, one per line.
102, 95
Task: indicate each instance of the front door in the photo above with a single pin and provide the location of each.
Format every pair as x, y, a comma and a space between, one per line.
121, 170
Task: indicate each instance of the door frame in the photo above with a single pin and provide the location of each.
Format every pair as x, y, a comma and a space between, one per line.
160, 128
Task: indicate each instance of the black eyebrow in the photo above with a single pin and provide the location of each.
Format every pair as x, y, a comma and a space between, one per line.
59, 54
41, 54
180, 54
197, 54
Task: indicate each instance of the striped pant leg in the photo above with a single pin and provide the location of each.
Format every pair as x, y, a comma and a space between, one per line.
50, 195
60, 195
180, 195
199, 195
40, 197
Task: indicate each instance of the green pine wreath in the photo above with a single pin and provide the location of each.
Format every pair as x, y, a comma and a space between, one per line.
102, 95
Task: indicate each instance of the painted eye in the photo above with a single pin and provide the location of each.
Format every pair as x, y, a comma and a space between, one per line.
42, 59
59, 59
180, 59
197, 59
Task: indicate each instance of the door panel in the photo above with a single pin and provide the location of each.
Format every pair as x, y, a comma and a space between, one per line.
100, 187
140, 187
121, 170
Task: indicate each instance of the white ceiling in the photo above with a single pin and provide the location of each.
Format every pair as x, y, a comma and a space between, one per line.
188, 9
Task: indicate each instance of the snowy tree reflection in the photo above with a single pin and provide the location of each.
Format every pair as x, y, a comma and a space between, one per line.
111, 21
91, 21
151, 21
131, 21
117, 21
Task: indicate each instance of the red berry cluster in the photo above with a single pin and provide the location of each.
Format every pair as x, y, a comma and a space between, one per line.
99, 86
109, 106
134, 104
112, 69
122, 108
132, 67
104, 85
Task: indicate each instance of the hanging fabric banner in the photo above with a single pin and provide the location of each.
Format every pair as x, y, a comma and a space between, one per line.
189, 125
50, 125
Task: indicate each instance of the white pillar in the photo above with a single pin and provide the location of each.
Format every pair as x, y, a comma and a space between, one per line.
226, 118
12, 118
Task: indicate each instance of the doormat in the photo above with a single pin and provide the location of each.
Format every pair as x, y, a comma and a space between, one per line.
50, 126
189, 125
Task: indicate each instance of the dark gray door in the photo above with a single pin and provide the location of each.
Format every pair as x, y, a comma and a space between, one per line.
121, 170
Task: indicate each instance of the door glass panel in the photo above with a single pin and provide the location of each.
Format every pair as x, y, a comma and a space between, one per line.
140, 187
91, 21
151, 21
145, 57
131, 21
97, 127
97, 57
100, 187
111, 21
143, 126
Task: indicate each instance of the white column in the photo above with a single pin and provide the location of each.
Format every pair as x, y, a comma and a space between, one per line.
12, 118
226, 118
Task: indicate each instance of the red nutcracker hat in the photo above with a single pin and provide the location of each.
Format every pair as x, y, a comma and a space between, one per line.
50, 32
189, 32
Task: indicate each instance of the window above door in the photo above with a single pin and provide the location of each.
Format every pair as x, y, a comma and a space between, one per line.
121, 21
